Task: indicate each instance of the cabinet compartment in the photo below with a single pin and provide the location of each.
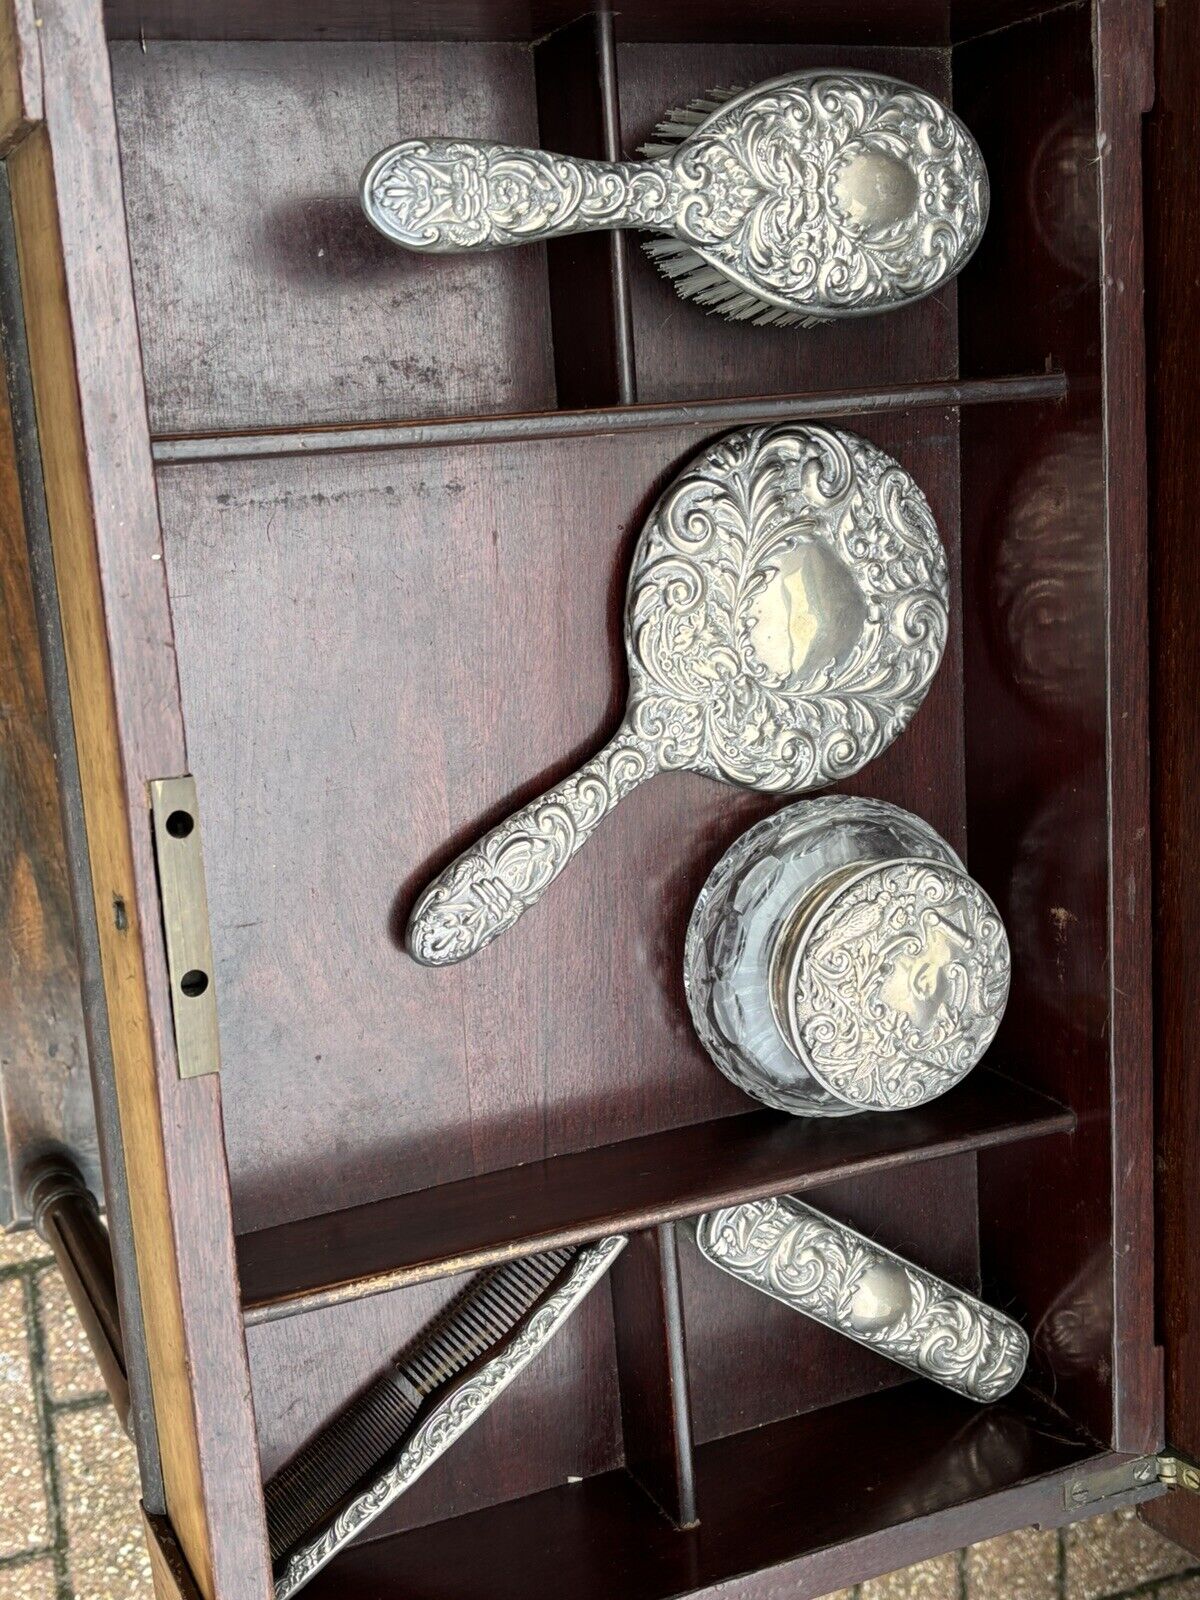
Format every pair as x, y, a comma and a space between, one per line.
264, 295
384, 653
398, 499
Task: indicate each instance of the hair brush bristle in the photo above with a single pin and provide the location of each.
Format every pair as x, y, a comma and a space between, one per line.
693, 277
678, 124
696, 279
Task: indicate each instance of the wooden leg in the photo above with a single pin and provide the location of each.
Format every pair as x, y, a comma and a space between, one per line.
66, 1215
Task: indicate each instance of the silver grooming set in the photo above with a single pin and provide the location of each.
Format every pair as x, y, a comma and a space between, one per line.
787, 609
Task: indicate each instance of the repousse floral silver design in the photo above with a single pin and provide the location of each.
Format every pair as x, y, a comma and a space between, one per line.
787, 611
819, 194
450, 1417
899, 984
842, 1279
450, 195
838, 959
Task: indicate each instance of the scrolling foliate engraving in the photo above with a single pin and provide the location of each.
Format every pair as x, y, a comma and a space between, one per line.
787, 611
842, 1279
819, 194
460, 194
833, 191
768, 876
487, 888
900, 984
449, 1418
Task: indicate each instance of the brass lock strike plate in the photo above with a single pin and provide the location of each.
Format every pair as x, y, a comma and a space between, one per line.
176, 821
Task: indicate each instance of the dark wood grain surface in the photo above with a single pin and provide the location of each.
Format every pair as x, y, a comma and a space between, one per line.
653, 1372
45, 1091
875, 22
382, 651
1054, 572
579, 114
704, 415
1125, 91
90, 402
814, 1503
343, 1254
379, 656
264, 295
1173, 217
888, 21
60, 717
67, 1215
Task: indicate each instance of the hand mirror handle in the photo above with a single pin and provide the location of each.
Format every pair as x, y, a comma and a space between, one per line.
774, 546
485, 890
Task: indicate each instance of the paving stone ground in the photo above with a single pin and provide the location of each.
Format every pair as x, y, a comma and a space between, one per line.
69, 1527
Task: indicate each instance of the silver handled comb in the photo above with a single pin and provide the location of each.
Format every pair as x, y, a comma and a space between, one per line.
382, 1443
846, 1281
813, 196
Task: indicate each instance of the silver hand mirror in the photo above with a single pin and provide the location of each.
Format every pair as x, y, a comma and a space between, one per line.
786, 613
813, 196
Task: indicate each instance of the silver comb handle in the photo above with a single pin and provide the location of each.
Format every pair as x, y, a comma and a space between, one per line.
842, 1279
490, 885
453, 1409
442, 195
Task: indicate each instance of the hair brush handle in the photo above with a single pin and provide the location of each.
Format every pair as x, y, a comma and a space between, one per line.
441, 195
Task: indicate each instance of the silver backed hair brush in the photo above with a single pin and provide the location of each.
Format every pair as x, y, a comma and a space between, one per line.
846, 1281
813, 196
383, 1441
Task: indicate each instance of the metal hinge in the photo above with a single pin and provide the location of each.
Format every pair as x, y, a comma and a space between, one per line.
1176, 1471
176, 820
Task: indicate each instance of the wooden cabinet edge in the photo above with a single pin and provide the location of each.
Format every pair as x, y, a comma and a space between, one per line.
101, 507
20, 72
69, 506
68, 498
168, 1567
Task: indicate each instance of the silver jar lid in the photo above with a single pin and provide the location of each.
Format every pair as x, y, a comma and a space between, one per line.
839, 959
890, 983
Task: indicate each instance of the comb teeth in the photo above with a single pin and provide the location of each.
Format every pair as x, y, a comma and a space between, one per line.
303, 1494
677, 124
301, 1497
476, 1319
698, 280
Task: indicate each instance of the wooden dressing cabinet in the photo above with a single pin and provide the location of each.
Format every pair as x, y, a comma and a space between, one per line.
341, 536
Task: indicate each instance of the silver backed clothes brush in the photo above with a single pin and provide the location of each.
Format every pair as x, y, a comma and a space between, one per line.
840, 1278
818, 195
376, 1448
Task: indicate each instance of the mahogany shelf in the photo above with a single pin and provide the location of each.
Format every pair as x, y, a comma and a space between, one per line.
177, 449
454, 1227
807, 1499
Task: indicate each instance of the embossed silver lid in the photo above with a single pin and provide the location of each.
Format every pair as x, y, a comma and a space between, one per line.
890, 981
781, 883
